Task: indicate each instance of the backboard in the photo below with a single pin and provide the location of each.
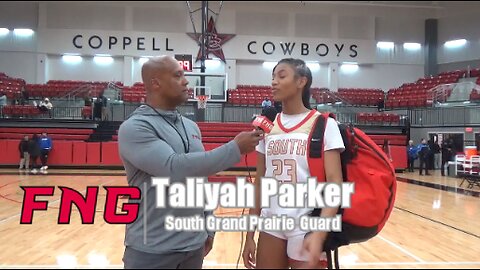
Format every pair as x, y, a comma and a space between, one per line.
215, 86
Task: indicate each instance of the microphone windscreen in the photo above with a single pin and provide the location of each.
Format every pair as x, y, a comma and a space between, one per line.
263, 123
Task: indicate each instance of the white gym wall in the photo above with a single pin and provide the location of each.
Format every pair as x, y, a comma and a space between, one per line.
312, 23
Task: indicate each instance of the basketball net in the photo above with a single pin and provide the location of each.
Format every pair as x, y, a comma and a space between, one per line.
202, 101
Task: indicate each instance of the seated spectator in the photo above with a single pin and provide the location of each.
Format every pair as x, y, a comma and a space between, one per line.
266, 103
3, 99
45, 106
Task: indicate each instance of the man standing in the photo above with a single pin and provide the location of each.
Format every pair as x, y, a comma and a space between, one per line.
447, 153
156, 141
45, 148
412, 155
24, 155
423, 155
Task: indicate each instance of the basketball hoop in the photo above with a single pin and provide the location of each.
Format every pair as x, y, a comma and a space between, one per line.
202, 101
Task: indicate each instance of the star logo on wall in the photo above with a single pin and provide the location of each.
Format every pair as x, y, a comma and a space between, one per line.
215, 41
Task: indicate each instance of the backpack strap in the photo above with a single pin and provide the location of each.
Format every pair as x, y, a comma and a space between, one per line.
315, 146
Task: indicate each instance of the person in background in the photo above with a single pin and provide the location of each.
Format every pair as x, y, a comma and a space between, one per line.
386, 148
381, 105
436, 152
88, 99
3, 99
266, 103
104, 100
46, 106
412, 155
24, 96
34, 152
447, 154
45, 148
24, 155
423, 154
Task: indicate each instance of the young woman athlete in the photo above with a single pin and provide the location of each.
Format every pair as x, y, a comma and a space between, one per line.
283, 155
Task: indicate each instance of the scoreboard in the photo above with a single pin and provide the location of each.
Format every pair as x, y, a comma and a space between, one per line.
185, 61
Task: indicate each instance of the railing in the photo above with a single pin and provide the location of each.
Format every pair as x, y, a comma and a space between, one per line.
447, 116
31, 112
215, 112
220, 112
452, 92
118, 90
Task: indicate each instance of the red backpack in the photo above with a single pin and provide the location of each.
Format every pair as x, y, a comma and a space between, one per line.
365, 164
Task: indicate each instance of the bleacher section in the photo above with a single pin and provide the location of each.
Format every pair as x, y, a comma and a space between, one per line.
249, 95
56, 88
72, 146
418, 94
322, 95
475, 95
408, 95
12, 87
378, 118
362, 97
21, 111
255, 94
475, 72
54, 133
136, 93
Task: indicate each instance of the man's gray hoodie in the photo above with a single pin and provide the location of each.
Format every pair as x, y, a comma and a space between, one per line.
151, 147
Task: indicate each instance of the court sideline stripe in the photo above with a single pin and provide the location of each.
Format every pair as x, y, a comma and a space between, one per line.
438, 222
456, 190
401, 249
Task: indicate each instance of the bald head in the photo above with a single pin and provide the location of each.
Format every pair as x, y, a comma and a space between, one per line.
155, 67
165, 82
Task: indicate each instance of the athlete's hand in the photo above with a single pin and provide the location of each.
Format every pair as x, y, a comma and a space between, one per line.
313, 245
249, 254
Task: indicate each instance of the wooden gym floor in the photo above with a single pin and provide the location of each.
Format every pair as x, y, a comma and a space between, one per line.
435, 224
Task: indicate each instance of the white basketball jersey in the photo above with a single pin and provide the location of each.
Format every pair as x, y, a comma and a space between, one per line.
286, 159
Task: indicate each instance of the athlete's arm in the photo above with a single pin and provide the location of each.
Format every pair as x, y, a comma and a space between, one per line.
249, 250
333, 173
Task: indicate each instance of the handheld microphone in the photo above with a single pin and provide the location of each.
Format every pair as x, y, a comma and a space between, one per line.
265, 121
